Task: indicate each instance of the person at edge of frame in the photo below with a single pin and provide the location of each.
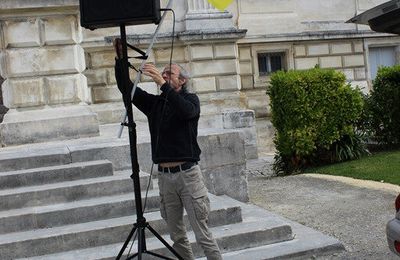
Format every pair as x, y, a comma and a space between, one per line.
173, 119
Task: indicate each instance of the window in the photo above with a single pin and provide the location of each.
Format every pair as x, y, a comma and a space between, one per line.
267, 58
381, 56
270, 62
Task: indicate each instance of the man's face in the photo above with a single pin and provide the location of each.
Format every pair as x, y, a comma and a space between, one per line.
171, 75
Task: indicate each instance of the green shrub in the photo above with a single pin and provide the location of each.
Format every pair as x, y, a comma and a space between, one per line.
384, 106
313, 111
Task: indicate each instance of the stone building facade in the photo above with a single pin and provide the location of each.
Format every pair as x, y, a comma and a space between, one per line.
59, 80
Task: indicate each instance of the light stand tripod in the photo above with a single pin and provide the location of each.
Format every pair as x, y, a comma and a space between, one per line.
141, 223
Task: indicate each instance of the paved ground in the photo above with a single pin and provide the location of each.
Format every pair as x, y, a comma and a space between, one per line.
353, 211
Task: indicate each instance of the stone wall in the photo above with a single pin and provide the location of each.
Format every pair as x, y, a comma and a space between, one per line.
345, 55
42, 63
213, 67
43, 60
283, 18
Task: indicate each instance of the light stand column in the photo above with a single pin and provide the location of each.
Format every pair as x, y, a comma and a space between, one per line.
141, 223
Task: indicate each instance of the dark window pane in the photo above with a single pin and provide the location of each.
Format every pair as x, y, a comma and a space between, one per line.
276, 63
270, 62
263, 64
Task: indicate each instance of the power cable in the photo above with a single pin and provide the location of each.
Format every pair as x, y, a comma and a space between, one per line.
164, 105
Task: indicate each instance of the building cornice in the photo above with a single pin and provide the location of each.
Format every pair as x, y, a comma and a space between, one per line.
318, 35
186, 36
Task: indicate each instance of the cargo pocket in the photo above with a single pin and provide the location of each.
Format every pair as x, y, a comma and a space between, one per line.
163, 211
201, 208
194, 183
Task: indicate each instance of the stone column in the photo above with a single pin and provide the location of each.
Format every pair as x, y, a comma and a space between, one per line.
202, 16
42, 64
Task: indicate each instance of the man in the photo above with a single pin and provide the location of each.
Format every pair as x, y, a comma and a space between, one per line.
173, 118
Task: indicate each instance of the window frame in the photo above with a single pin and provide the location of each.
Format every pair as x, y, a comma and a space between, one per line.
379, 43
288, 60
283, 62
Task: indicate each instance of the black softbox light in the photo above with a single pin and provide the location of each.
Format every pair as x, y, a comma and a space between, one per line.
110, 13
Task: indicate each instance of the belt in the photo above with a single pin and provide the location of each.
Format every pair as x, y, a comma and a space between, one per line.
182, 167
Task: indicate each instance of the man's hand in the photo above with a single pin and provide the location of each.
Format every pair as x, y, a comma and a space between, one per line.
151, 71
118, 47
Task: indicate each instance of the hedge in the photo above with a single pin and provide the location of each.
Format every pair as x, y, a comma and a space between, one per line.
383, 106
312, 111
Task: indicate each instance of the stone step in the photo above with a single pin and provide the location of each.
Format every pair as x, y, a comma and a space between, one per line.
302, 243
113, 149
97, 233
222, 159
62, 192
81, 150
229, 237
307, 243
74, 212
33, 156
53, 174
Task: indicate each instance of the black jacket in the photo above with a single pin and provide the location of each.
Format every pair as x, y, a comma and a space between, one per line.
173, 119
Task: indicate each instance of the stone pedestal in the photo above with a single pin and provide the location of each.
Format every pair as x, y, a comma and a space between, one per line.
244, 122
42, 63
202, 16
43, 125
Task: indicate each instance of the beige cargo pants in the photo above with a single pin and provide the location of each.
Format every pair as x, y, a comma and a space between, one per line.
186, 189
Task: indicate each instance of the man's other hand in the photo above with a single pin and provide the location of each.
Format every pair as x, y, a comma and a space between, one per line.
151, 71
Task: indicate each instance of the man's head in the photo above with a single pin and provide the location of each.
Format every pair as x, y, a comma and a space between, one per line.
176, 75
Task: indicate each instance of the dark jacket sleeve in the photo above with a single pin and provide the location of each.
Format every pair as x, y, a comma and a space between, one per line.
141, 99
188, 106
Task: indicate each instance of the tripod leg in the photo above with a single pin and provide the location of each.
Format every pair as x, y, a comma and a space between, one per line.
151, 253
140, 242
132, 256
164, 242
160, 256
127, 241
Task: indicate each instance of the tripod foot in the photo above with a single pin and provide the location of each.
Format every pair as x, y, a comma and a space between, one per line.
142, 243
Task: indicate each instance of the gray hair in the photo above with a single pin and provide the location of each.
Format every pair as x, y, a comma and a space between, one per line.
183, 73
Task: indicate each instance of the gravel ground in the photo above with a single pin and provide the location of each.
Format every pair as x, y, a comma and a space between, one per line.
353, 211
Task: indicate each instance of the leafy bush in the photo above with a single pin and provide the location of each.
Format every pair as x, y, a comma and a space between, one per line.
384, 106
314, 113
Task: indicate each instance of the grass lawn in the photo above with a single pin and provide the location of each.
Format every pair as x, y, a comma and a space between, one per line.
383, 166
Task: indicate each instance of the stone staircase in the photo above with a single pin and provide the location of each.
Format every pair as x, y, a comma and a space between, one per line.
76, 201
